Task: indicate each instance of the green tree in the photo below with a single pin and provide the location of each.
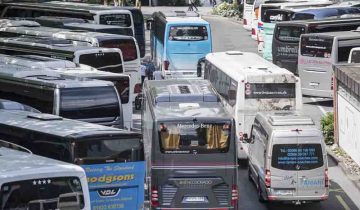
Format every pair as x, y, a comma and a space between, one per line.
327, 127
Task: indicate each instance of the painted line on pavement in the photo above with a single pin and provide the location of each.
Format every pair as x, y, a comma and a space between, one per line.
320, 107
342, 202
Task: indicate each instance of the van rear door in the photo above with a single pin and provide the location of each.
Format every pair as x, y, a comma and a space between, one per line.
311, 165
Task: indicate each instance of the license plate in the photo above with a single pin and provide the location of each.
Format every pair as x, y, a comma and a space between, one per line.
195, 200
284, 192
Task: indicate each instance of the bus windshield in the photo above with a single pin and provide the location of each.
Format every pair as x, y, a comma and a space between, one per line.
188, 33
199, 138
127, 47
289, 33
270, 96
109, 150
42, 193
109, 61
316, 47
92, 102
116, 19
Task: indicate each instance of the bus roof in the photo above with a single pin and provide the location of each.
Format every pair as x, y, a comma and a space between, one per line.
60, 127
47, 78
195, 20
331, 20
91, 26
172, 99
88, 72
33, 61
245, 65
13, 161
339, 34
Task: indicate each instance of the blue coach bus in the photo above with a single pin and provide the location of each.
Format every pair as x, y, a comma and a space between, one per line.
178, 40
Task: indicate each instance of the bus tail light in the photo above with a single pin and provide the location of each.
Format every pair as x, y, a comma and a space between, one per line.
267, 178
137, 88
234, 195
166, 65
253, 31
260, 25
245, 22
154, 196
326, 173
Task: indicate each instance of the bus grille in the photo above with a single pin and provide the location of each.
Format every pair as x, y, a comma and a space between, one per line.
168, 194
222, 194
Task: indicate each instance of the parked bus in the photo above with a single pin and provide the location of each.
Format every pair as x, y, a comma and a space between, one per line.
137, 16
83, 99
113, 159
43, 183
126, 44
318, 53
190, 146
287, 36
104, 16
297, 6
247, 83
106, 59
248, 7
80, 24
178, 41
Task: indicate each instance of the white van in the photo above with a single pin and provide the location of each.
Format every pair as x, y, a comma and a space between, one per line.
40, 182
287, 158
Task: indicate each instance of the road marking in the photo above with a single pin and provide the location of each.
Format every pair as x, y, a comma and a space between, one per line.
342, 202
337, 190
320, 107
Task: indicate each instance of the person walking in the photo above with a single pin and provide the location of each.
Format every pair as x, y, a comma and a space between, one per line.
192, 6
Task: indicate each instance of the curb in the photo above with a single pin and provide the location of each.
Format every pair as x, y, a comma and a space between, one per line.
355, 179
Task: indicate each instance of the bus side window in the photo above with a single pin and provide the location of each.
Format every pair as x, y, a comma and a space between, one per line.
55, 149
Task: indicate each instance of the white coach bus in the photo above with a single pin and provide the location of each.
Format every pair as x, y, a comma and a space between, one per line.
247, 84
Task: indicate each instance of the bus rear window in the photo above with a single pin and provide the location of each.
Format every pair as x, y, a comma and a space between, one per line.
266, 8
294, 157
118, 31
289, 33
87, 103
303, 16
127, 47
42, 193
123, 87
109, 150
316, 47
355, 57
123, 20
108, 61
187, 138
188, 33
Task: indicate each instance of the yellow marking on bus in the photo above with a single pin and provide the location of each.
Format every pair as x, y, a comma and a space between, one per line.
342, 202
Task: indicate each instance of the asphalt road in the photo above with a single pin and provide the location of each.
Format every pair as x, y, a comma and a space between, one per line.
230, 35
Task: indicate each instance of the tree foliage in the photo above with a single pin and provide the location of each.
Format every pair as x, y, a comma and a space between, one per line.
327, 127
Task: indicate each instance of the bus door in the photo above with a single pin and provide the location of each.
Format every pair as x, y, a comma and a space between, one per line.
315, 60
195, 166
115, 171
186, 44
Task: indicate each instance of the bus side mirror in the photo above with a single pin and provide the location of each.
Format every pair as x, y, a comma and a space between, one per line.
199, 67
149, 23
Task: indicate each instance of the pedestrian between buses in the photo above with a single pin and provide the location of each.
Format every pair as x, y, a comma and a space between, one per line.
113, 159
43, 183
247, 84
318, 53
190, 146
178, 40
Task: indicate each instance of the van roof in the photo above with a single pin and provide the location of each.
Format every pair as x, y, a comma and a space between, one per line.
172, 99
13, 161
87, 72
58, 126
246, 65
339, 34
92, 26
47, 78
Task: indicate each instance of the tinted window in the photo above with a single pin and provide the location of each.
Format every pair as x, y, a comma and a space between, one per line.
303, 16
355, 57
119, 31
289, 33
123, 87
116, 19
42, 193
188, 33
127, 47
85, 103
222, 83
297, 156
111, 150
344, 52
266, 8
186, 137
316, 47
274, 15
108, 61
